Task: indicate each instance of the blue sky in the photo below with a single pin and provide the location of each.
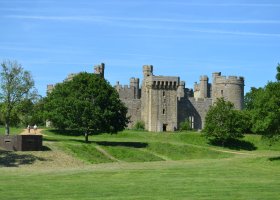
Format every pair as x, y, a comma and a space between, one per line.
52, 38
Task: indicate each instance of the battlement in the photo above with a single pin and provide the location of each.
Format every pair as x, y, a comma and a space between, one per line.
182, 83
204, 78
123, 87
163, 82
70, 76
229, 80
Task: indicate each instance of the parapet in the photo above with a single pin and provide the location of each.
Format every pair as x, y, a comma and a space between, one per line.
230, 80
70, 77
134, 81
163, 82
182, 83
204, 78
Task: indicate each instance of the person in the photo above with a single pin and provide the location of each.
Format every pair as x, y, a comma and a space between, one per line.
35, 128
28, 127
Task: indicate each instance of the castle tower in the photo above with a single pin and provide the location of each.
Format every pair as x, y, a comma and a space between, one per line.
181, 90
99, 69
50, 88
230, 88
147, 70
159, 101
134, 86
204, 87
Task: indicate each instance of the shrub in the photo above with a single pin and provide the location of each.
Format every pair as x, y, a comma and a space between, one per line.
139, 125
185, 125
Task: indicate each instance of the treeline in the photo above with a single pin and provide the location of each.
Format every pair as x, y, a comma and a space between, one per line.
25, 112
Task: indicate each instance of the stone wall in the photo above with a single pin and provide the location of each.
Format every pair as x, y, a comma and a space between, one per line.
134, 111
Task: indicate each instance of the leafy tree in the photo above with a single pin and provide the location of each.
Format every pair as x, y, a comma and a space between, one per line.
278, 72
32, 111
265, 111
250, 97
87, 103
16, 85
222, 122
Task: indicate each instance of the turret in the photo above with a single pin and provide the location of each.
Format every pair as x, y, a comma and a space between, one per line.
181, 90
147, 70
50, 88
100, 69
203, 86
134, 85
231, 88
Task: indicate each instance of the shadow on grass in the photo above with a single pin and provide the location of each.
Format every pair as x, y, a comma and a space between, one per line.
274, 158
12, 159
234, 144
45, 148
66, 132
124, 144
47, 139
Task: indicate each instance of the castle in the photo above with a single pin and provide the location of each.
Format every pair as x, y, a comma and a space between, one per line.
162, 102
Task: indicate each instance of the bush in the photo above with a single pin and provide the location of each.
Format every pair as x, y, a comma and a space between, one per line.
185, 125
139, 125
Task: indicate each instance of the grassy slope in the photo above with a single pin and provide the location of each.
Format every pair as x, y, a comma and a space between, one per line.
200, 171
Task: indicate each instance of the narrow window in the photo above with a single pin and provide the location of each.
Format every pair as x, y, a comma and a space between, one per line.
222, 93
163, 111
163, 93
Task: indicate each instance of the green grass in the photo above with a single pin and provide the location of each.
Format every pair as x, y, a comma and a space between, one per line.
131, 154
185, 152
13, 130
87, 153
145, 166
254, 178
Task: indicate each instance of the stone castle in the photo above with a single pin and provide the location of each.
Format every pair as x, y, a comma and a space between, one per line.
162, 102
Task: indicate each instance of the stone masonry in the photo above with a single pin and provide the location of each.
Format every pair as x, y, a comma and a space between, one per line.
162, 102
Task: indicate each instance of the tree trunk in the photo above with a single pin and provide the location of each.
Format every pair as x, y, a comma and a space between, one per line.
86, 137
7, 128
7, 125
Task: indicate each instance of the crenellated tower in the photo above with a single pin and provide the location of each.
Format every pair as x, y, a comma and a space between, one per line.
231, 88
100, 69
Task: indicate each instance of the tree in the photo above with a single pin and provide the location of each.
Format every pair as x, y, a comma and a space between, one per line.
250, 98
278, 73
31, 111
222, 122
87, 103
16, 85
265, 111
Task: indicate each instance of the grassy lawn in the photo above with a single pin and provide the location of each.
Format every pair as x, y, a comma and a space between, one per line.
13, 131
141, 165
